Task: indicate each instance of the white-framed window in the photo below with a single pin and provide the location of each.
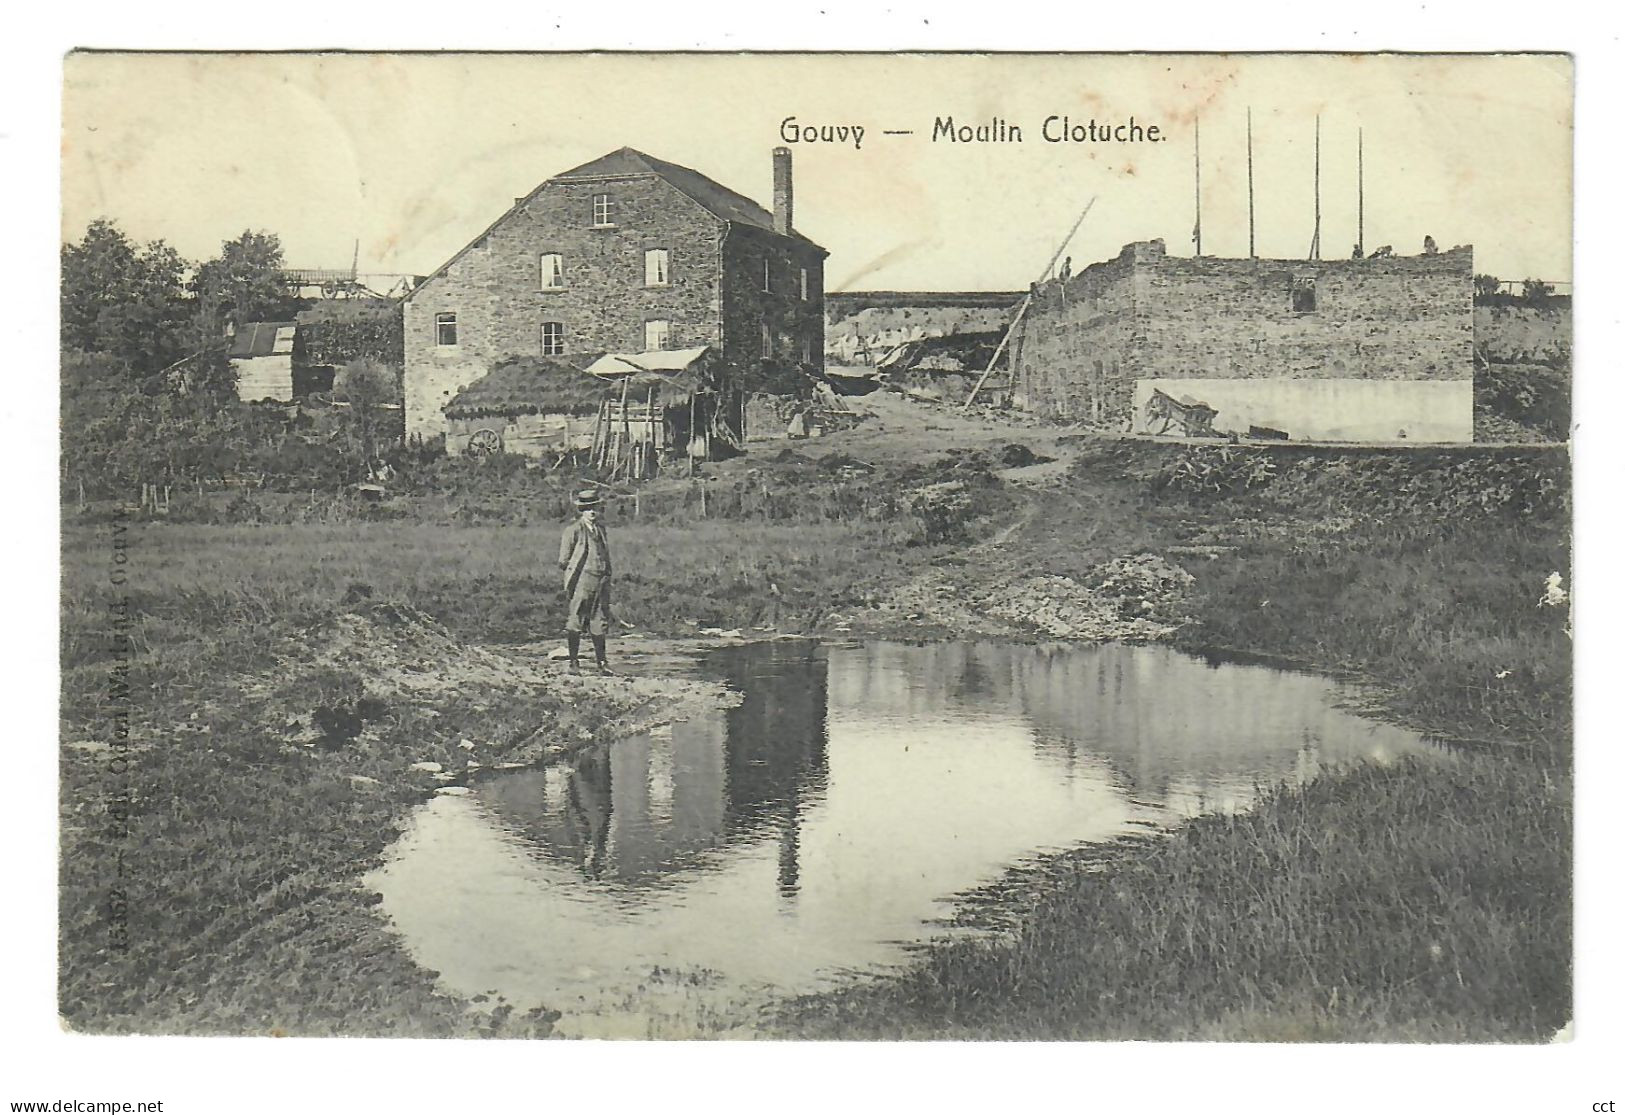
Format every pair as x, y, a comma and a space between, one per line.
805, 287
767, 274
656, 267
603, 213
445, 329
767, 340
552, 338
656, 335
806, 347
552, 271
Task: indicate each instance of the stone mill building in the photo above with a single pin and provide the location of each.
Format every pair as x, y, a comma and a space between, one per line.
625, 254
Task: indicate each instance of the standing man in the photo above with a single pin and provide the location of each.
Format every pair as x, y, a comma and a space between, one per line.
584, 561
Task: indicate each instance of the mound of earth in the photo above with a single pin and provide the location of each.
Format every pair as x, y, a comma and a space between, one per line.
1130, 599
385, 674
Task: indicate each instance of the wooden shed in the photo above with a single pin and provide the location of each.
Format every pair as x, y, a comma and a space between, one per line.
261, 353
663, 404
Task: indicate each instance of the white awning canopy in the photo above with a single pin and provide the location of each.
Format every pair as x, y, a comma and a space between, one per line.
666, 363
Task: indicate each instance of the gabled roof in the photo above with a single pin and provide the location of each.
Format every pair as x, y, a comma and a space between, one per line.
713, 197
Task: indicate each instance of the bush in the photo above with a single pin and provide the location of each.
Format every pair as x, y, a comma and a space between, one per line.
372, 417
188, 430
1215, 471
1532, 395
335, 333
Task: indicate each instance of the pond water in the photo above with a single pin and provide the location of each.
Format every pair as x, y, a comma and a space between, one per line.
672, 882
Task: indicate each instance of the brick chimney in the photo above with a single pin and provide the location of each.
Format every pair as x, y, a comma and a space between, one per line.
783, 192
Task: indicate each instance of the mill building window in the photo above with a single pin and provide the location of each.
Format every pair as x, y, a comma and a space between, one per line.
552, 338
767, 340
804, 286
656, 267
767, 274
602, 212
1303, 294
656, 335
552, 271
445, 329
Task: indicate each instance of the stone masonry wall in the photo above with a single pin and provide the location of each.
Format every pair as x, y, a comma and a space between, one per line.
495, 288
795, 324
1074, 352
1146, 315
1405, 317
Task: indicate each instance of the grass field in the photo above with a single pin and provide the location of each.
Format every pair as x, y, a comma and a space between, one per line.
1451, 887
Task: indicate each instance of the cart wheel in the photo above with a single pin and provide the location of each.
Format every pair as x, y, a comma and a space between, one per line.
484, 442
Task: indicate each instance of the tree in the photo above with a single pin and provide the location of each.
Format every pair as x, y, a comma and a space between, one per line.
370, 387
1536, 291
123, 300
243, 283
1486, 286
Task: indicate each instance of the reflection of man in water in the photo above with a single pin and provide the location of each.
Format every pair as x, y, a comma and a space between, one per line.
587, 806
584, 561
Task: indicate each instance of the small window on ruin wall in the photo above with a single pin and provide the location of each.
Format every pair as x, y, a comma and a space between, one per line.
1303, 294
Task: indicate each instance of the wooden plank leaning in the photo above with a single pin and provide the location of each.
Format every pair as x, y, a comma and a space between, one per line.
1021, 310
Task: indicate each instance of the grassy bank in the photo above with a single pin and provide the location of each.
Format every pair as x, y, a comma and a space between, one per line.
1404, 903
1421, 575
1412, 903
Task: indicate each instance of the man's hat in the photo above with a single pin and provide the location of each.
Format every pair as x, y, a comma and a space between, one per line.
588, 499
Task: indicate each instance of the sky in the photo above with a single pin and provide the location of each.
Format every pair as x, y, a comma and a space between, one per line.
413, 155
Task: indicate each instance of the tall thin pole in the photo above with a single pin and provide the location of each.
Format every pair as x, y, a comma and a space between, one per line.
1252, 252
1359, 242
1197, 234
1314, 245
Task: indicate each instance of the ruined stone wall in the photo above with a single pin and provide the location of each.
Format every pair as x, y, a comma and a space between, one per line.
1074, 354
495, 289
1146, 315
1401, 318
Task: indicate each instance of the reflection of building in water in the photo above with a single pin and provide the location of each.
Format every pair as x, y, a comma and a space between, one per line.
672, 799
778, 743
912, 682
1170, 725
